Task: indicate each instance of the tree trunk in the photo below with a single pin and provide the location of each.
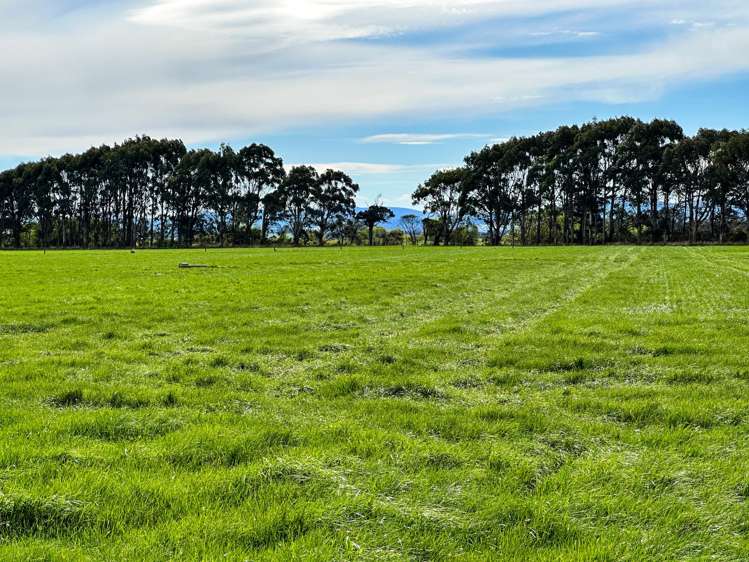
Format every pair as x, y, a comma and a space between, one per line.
611, 214
653, 214
17, 234
666, 215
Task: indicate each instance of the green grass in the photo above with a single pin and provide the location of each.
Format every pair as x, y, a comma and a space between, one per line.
417, 404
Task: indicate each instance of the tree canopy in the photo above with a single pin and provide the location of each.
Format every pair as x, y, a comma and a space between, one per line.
614, 181
620, 180
372, 216
156, 193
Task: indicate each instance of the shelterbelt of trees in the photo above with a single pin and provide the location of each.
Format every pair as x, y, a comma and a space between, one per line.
614, 181
155, 193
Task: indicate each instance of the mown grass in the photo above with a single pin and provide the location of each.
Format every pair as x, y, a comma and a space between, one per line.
417, 404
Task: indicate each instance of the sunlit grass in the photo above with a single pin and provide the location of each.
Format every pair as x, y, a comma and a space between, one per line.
418, 403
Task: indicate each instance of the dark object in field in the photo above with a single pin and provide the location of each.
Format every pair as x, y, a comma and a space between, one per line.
194, 266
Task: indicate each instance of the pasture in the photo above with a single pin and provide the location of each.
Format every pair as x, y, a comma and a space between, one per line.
375, 404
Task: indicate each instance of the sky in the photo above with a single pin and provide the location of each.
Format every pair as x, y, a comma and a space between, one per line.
387, 90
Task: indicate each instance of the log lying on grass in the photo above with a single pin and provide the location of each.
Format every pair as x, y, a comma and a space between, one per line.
193, 266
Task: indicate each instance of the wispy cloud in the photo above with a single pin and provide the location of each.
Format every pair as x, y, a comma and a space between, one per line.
420, 138
341, 19
566, 33
211, 70
697, 24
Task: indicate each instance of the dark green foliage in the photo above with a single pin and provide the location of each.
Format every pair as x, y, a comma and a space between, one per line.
372, 216
155, 193
443, 196
619, 180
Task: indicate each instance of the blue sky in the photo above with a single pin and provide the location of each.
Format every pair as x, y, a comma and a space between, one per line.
387, 90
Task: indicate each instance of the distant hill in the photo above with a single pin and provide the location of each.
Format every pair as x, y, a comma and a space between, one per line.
399, 213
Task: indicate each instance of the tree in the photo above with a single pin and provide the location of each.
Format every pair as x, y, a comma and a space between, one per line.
641, 166
349, 230
218, 169
296, 194
606, 181
518, 165
187, 189
44, 196
721, 184
16, 189
411, 225
134, 160
443, 195
332, 201
732, 164
486, 191
166, 158
273, 212
560, 184
374, 215
688, 167
597, 146
259, 172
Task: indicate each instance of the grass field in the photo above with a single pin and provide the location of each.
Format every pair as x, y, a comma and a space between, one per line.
417, 404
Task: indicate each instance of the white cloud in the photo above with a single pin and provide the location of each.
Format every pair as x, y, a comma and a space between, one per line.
566, 33
215, 70
699, 24
337, 19
419, 138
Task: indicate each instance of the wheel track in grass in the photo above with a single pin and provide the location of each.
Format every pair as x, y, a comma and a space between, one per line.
446, 302
716, 261
606, 265
589, 272
405, 333
531, 316
432, 298
666, 280
601, 268
553, 283
572, 295
714, 266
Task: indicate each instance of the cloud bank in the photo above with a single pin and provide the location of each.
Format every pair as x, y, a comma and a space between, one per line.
79, 72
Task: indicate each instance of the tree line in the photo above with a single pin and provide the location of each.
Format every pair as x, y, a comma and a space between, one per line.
156, 193
614, 181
